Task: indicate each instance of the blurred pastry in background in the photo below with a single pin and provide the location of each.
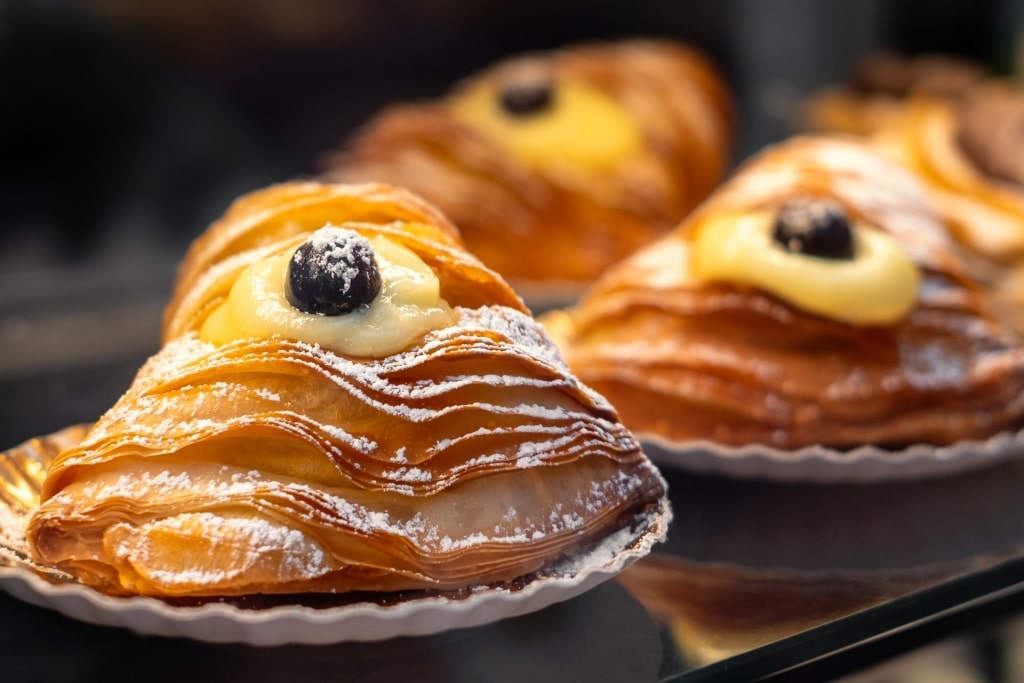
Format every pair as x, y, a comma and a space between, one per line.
879, 86
961, 131
969, 154
556, 165
815, 299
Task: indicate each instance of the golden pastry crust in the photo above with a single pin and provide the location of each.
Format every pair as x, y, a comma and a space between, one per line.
879, 87
273, 465
555, 226
282, 216
686, 359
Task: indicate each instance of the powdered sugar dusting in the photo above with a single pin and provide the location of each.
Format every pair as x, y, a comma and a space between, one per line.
250, 541
220, 496
12, 530
484, 398
337, 252
413, 391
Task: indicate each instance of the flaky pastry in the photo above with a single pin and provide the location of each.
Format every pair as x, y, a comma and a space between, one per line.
813, 299
345, 401
968, 153
879, 87
556, 165
958, 129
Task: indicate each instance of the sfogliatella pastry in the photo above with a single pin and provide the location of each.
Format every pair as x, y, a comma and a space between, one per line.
556, 165
969, 155
346, 401
879, 87
813, 299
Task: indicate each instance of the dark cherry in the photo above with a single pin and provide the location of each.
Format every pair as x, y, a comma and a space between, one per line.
816, 227
332, 273
527, 98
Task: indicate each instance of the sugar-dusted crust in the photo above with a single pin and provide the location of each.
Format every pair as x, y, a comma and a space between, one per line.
686, 360
280, 217
272, 465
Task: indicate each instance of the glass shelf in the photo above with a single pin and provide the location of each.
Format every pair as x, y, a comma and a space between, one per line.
756, 579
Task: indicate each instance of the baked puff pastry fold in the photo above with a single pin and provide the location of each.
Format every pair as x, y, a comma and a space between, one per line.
345, 401
881, 85
967, 153
814, 299
556, 165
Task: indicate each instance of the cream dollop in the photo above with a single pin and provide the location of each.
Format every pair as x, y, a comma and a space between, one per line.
878, 286
408, 306
582, 128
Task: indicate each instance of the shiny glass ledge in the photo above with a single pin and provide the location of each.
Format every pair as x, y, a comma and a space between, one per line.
757, 580
761, 580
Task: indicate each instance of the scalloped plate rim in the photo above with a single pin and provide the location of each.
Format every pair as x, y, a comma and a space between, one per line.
358, 622
822, 464
302, 624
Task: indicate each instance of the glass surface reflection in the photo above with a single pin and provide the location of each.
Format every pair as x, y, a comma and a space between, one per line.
751, 563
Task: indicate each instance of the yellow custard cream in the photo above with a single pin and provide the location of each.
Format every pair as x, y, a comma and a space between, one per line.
408, 306
878, 286
581, 127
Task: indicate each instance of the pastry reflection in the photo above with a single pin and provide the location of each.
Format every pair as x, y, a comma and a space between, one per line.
748, 563
877, 527
713, 611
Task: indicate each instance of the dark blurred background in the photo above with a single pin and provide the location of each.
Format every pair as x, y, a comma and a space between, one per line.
126, 127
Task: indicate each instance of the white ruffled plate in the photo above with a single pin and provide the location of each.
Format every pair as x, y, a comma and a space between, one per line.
21, 472
827, 465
